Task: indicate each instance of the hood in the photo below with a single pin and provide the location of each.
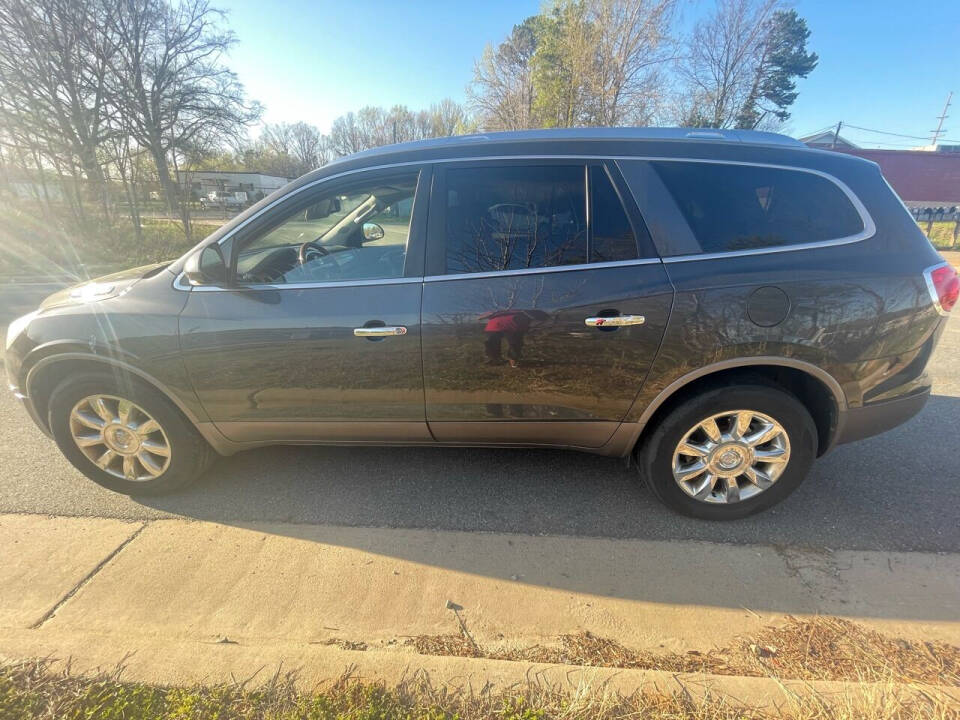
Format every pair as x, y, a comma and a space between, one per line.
101, 288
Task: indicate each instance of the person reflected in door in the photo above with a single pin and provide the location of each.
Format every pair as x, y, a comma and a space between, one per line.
510, 326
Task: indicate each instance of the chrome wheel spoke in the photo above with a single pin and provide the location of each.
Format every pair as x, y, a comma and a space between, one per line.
777, 456
689, 472
148, 427
733, 490
764, 435
693, 450
757, 477
125, 410
711, 429
94, 422
85, 441
106, 458
99, 406
741, 424
129, 467
155, 448
149, 464
705, 489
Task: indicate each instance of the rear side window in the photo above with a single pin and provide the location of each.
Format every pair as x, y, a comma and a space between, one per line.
515, 218
746, 207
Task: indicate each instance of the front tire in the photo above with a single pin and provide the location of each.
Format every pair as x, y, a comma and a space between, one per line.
125, 435
729, 452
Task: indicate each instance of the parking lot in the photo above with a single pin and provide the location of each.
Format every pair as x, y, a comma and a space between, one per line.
897, 491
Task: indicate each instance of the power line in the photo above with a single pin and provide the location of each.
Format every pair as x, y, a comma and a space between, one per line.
817, 132
885, 132
895, 145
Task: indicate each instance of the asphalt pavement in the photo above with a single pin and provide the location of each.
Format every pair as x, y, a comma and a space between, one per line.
896, 491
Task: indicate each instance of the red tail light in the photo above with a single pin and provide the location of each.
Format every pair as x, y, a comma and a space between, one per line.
944, 286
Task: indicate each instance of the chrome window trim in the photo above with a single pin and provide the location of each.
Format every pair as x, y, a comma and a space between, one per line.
541, 271
429, 278
869, 228
305, 286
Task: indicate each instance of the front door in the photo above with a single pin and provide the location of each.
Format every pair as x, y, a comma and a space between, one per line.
317, 337
543, 306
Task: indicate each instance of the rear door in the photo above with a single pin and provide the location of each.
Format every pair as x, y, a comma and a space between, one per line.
543, 306
318, 336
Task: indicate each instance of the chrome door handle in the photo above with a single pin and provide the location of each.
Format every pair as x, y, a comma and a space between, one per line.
615, 321
382, 331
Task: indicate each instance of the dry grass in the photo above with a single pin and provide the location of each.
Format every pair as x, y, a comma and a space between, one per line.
820, 648
36, 690
941, 233
344, 644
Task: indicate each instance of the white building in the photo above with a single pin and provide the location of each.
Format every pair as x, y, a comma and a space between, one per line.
257, 185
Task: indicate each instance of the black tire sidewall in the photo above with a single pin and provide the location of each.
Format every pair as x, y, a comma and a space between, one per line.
657, 454
189, 451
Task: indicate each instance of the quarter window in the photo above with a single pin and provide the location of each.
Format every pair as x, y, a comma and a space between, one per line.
744, 207
515, 218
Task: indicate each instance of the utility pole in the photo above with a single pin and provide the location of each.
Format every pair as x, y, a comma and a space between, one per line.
836, 134
943, 116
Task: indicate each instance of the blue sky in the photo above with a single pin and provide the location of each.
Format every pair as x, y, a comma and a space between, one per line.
884, 65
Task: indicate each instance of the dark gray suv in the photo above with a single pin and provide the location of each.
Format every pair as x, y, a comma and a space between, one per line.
720, 306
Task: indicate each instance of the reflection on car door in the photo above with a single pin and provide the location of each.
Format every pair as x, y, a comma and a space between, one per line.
524, 340
313, 361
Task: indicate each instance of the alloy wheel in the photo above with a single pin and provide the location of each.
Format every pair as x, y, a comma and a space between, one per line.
120, 437
731, 456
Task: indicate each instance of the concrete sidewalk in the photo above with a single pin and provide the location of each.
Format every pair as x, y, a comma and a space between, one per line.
98, 589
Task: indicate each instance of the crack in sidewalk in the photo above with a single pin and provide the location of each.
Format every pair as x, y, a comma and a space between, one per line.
87, 578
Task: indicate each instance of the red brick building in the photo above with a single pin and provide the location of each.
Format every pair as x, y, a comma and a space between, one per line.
921, 178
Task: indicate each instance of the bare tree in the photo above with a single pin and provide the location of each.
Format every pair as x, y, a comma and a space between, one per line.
582, 62
289, 149
122, 160
501, 93
347, 136
309, 146
356, 131
717, 70
632, 47
740, 63
170, 85
448, 117
372, 126
53, 72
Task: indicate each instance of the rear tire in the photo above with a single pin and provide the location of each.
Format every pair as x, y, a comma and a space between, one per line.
125, 435
730, 452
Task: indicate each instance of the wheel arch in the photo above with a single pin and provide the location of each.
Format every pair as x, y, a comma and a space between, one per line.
44, 375
819, 392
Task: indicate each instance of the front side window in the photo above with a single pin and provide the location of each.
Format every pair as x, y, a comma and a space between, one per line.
515, 218
744, 207
357, 231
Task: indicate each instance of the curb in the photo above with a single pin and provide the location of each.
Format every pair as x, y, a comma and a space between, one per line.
187, 662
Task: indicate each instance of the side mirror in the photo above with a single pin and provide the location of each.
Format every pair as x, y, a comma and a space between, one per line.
372, 231
207, 267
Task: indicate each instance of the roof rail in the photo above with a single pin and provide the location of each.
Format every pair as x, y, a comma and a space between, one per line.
753, 137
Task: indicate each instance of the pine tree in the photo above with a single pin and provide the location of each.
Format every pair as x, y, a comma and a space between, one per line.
784, 58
